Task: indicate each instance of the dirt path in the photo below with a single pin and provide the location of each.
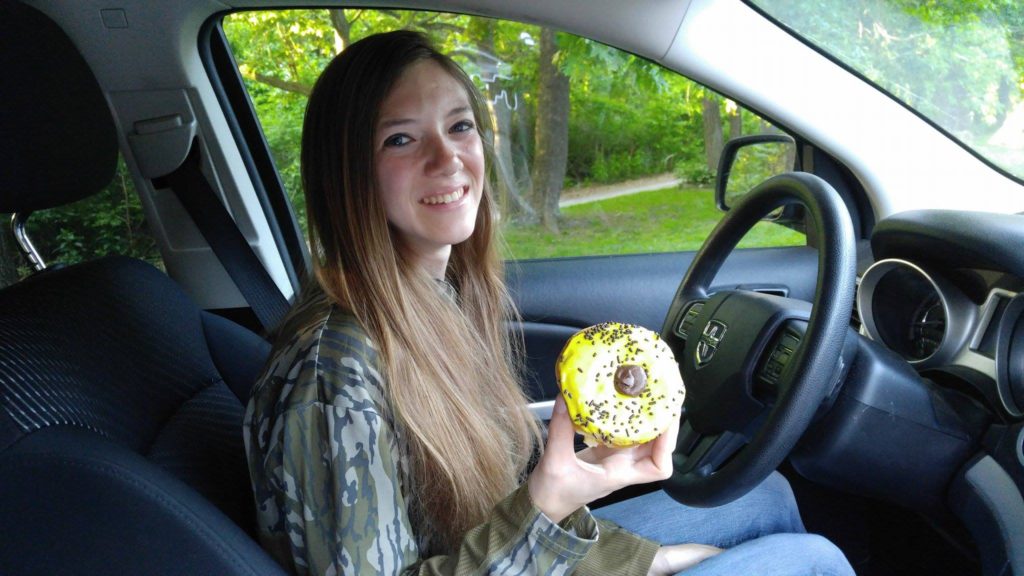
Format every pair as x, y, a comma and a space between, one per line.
581, 195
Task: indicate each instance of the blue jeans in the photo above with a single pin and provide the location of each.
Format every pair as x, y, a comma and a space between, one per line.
762, 532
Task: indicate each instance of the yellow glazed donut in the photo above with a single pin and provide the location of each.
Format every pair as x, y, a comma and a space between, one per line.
621, 384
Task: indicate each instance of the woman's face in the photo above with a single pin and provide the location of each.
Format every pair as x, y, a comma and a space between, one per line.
429, 163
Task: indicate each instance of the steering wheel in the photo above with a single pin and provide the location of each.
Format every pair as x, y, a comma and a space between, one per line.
756, 366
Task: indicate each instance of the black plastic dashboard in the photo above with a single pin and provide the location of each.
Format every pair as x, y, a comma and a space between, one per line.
946, 292
931, 414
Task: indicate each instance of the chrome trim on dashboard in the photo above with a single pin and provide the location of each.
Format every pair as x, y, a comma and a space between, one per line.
959, 311
977, 362
987, 310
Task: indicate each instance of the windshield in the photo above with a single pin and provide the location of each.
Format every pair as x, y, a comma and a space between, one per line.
959, 63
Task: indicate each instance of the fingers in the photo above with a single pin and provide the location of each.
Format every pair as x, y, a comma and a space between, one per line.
662, 448
603, 468
679, 557
560, 431
676, 558
636, 464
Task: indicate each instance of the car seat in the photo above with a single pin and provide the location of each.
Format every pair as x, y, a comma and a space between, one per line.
121, 401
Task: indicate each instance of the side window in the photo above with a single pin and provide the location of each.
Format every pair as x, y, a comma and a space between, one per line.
110, 222
597, 151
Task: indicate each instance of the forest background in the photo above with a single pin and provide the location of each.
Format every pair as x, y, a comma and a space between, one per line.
566, 111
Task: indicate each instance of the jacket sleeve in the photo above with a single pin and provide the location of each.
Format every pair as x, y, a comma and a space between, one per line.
337, 487
519, 539
618, 551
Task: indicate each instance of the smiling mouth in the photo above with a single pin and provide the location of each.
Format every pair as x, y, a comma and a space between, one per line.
445, 198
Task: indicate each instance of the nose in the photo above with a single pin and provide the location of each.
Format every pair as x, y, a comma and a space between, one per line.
444, 157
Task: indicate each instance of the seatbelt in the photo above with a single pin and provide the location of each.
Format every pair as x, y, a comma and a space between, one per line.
237, 257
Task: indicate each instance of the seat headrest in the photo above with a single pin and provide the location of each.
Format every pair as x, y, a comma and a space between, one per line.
58, 143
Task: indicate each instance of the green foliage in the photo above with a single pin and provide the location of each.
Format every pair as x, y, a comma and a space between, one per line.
629, 117
641, 223
622, 127
695, 171
756, 163
111, 222
959, 62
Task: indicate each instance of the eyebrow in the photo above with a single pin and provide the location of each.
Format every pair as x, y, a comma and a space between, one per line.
392, 122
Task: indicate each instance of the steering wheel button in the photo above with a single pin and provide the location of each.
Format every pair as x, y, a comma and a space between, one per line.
689, 318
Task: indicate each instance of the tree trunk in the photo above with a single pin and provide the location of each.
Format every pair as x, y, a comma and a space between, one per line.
286, 85
342, 28
713, 141
551, 151
736, 124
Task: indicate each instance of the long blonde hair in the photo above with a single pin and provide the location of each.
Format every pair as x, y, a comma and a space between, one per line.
448, 363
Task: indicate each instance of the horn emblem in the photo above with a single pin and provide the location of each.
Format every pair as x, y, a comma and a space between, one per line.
709, 341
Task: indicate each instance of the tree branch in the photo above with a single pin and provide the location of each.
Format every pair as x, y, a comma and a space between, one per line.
341, 25
288, 86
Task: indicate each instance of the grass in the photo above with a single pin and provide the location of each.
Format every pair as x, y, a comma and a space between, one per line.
667, 220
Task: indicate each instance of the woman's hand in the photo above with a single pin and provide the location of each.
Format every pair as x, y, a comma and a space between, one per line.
674, 559
563, 480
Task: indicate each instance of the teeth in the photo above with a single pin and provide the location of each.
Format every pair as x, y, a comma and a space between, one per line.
444, 198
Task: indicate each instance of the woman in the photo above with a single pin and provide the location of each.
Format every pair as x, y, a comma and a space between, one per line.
388, 432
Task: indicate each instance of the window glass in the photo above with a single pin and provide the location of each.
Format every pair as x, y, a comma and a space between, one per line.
631, 171
960, 64
110, 222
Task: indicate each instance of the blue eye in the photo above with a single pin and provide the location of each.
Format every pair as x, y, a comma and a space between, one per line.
397, 140
463, 126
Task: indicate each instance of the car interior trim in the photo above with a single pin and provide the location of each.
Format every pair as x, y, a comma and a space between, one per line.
960, 313
1020, 447
1010, 358
542, 410
240, 115
996, 298
986, 499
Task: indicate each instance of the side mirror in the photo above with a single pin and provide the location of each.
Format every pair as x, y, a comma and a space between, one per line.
749, 160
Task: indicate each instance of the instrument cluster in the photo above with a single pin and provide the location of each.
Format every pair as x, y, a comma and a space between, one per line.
929, 320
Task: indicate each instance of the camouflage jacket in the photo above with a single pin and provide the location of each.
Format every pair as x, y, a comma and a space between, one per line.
330, 482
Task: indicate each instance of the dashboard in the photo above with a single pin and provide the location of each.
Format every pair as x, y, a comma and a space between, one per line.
946, 293
931, 412
939, 382
938, 319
